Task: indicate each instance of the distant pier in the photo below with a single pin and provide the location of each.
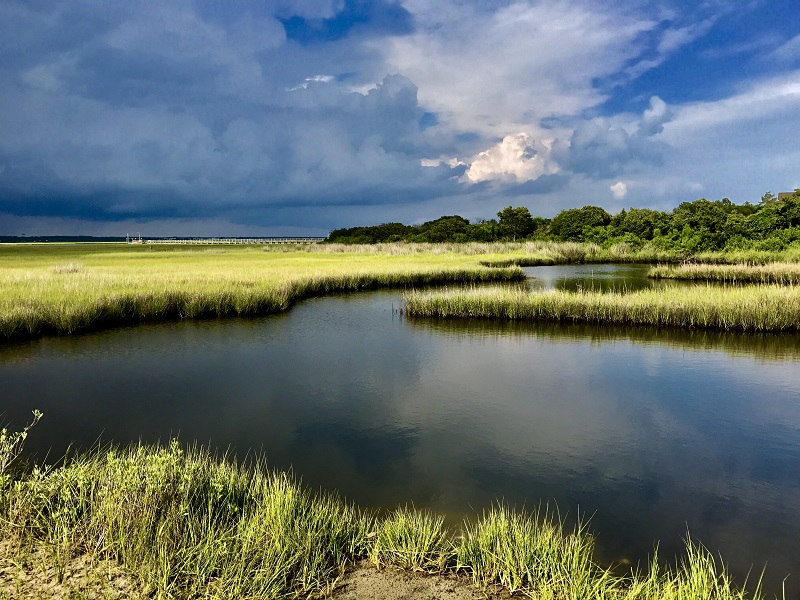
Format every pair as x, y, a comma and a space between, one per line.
227, 241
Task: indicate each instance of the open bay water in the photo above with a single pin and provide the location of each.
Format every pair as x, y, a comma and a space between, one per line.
648, 433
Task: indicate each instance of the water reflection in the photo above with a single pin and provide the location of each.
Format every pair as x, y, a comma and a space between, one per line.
649, 431
759, 346
602, 278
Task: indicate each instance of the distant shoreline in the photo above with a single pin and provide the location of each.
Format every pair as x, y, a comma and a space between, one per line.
36, 239
16, 239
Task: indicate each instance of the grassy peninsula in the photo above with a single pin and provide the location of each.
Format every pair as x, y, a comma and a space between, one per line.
759, 308
169, 522
70, 288
780, 273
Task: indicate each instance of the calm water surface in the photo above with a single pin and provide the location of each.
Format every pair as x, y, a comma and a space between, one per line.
647, 432
605, 278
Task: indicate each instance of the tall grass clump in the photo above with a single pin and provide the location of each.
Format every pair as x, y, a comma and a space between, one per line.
777, 273
700, 575
186, 524
749, 308
762, 257
413, 539
531, 552
696, 576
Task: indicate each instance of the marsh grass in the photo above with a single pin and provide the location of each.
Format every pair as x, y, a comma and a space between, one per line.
762, 257
40, 295
759, 308
539, 252
531, 552
413, 539
67, 268
69, 288
530, 253
523, 253
771, 273
183, 523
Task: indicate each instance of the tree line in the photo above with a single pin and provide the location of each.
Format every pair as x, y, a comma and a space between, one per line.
702, 225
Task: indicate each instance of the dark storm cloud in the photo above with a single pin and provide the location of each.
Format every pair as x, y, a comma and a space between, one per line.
246, 109
543, 185
602, 150
182, 110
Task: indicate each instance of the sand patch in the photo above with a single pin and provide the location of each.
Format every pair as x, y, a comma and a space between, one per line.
31, 576
365, 582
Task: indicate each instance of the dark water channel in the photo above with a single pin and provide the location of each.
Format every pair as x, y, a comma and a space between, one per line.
648, 432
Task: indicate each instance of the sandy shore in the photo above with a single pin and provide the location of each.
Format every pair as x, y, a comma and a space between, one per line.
105, 580
365, 581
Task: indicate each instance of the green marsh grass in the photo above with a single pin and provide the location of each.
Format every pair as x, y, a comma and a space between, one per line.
73, 288
69, 288
759, 308
413, 539
763, 257
778, 273
536, 252
531, 552
183, 523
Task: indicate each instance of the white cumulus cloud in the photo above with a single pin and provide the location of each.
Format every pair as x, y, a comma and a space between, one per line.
494, 70
619, 189
517, 157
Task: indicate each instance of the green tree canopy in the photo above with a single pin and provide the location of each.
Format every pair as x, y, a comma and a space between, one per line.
516, 223
640, 222
444, 229
574, 224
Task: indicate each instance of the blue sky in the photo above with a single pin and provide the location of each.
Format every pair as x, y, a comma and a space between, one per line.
276, 117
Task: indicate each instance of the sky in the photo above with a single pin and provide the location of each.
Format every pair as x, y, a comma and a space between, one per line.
279, 117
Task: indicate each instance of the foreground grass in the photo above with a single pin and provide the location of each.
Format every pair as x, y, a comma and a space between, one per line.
185, 524
752, 308
778, 273
76, 287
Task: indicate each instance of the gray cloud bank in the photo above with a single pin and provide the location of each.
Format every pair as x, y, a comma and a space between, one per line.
117, 114
310, 113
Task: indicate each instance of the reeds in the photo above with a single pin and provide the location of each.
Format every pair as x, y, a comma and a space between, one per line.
185, 524
777, 273
39, 295
759, 308
176, 523
763, 257
413, 539
68, 288
532, 552
523, 253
